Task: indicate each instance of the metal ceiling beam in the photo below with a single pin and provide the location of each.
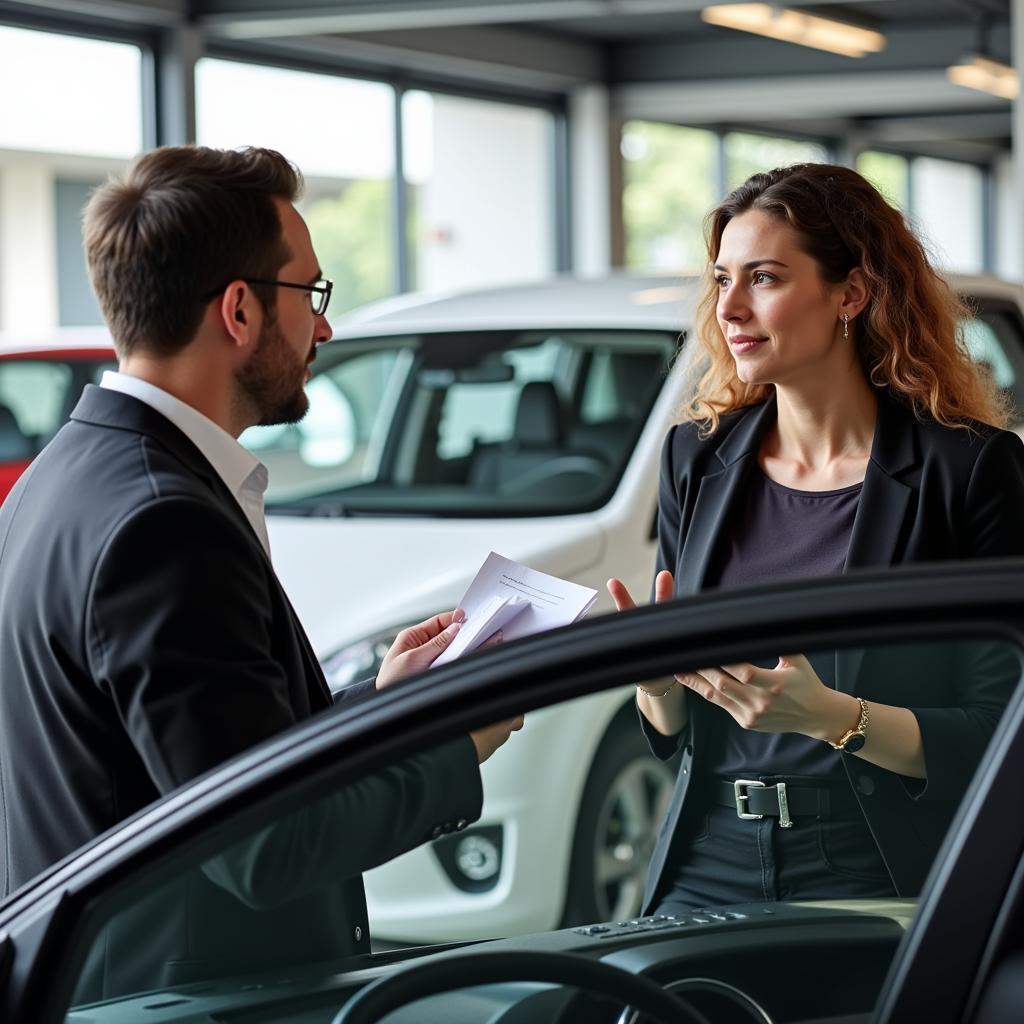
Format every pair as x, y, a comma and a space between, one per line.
256, 19
909, 46
796, 96
942, 128
145, 14
487, 56
252, 19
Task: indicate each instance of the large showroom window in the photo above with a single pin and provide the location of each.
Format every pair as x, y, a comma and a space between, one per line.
747, 153
56, 143
953, 230
479, 188
669, 176
921, 186
889, 173
340, 133
104, 119
672, 177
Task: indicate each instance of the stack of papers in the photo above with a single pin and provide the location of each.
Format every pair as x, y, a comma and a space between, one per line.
519, 601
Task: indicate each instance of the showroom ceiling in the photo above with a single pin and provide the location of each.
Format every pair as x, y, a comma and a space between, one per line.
658, 57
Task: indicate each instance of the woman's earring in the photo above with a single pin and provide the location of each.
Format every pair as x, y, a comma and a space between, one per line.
846, 325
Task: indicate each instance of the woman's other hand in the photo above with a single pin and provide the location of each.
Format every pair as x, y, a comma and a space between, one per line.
787, 698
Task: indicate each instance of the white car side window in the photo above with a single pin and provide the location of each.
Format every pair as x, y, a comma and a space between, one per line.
486, 412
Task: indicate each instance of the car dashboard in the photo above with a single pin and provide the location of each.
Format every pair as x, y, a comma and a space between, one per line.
771, 964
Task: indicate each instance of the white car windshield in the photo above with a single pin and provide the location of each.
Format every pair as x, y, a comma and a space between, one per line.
466, 423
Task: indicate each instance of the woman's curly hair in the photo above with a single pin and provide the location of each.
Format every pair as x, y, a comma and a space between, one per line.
909, 336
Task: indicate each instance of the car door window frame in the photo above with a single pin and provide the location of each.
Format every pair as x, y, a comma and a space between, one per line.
191, 824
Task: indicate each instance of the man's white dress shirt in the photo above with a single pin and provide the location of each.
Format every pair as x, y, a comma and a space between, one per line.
245, 476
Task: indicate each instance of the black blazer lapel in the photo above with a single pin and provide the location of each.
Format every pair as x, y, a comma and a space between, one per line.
882, 512
710, 513
884, 500
718, 493
108, 408
314, 673
105, 407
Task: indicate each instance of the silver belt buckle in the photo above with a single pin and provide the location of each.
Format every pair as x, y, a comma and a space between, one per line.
739, 788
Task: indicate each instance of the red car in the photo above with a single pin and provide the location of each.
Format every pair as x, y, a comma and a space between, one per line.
39, 386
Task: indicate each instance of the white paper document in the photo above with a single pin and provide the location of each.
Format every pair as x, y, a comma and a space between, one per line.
518, 600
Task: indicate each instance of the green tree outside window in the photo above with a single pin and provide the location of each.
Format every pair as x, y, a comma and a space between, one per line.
351, 233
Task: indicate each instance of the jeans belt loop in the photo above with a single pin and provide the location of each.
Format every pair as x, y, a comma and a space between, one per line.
740, 787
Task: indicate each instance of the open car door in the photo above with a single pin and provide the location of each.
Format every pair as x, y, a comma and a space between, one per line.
956, 958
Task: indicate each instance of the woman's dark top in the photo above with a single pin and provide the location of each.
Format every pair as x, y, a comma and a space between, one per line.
780, 533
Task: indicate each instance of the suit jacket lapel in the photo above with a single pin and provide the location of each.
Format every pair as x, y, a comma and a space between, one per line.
884, 500
109, 408
718, 493
114, 409
882, 511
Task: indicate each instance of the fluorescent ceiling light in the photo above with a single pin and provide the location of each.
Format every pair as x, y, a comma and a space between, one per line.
796, 27
986, 75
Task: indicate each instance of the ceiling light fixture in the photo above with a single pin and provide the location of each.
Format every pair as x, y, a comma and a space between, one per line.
791, 26
980, 72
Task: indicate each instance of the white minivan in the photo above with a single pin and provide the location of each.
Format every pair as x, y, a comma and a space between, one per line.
528, 421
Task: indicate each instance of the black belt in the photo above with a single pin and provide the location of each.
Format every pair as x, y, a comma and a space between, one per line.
783, 800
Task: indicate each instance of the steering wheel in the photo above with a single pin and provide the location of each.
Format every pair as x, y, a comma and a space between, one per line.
422, 979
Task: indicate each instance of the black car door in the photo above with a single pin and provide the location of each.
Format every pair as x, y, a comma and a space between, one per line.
950, 621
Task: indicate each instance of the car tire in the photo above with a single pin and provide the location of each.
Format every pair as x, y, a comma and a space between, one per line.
624, 800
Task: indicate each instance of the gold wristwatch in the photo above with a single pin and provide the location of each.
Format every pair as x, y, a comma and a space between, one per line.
854, 739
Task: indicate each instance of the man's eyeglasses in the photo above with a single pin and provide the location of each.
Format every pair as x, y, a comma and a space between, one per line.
319, 293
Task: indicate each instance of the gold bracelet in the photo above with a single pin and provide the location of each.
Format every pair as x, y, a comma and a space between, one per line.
671, 687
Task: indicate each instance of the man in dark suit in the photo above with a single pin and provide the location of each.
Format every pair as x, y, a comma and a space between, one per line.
144, 637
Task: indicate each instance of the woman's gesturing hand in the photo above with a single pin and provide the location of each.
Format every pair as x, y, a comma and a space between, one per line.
663, 585
787, 698
661, 702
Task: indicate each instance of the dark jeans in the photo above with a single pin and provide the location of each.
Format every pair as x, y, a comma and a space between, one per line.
730, 860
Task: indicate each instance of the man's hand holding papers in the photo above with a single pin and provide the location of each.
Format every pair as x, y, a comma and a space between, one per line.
519, 601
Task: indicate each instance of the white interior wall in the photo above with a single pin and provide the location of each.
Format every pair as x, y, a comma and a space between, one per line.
28, 258
590, 181
947, 212
486, 211
1009, 250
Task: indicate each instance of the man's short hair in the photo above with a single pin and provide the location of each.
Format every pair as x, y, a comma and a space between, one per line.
182, 222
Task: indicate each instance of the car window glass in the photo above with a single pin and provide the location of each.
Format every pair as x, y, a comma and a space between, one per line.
467, 424
618, 384
996, 342
485, 412
35, 395
580, 808
599, 395
983, 344
332, 445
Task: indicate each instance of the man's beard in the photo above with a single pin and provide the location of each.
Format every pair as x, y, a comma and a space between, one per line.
272, 381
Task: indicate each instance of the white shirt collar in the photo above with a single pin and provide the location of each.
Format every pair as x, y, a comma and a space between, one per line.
233, 463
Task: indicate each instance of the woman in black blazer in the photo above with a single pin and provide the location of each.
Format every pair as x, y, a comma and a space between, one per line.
839, 423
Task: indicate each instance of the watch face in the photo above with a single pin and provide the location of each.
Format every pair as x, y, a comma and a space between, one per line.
854, 743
